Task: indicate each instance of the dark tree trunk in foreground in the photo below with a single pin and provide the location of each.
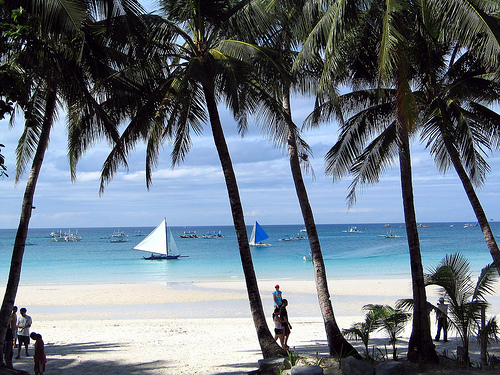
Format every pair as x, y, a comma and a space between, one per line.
420, 346
337, 344
24, 220
268, 345
473, 199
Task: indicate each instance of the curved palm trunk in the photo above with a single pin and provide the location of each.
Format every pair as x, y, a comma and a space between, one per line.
337, 344
24, 220
473, 199
268, 345
420, 345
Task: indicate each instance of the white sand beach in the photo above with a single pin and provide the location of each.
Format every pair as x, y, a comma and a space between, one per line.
189, 328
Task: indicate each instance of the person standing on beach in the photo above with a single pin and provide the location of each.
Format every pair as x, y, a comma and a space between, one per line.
278, 327
23, 331
441, 313
285, 323
277, 296
39, 356
13, 325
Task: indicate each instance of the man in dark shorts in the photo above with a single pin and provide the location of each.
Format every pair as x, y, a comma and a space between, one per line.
23, 332
285, 323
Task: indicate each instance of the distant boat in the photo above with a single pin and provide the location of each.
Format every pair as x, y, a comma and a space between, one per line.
189, 235
389, 234
352, 230
65, 237
118, 237
258, 235
29, 242
296, 237
387, 225
138, 233
213, 235
308, 257
158, 245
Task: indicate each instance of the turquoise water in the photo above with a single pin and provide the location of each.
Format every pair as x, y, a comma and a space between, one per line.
366, 254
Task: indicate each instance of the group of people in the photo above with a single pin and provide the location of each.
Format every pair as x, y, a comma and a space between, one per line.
282, 326
18, 335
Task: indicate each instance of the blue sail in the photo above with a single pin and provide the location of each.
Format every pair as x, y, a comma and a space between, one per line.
260, 234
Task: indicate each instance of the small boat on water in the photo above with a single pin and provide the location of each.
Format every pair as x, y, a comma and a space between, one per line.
258, 235
189, 235
159, 245
118, 237
210, 235
389, 234
352, 230
65, 237
295, 237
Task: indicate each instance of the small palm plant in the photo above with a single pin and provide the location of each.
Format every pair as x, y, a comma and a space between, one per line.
464, 297
361, 330
391, 321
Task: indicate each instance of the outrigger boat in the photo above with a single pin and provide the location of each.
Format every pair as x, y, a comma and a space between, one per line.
158, 245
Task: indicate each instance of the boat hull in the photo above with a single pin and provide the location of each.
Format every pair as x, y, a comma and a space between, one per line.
162, 257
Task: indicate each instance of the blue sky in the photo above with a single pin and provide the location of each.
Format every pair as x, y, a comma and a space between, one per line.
195, 194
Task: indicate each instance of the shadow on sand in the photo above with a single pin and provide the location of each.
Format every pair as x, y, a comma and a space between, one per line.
71, 359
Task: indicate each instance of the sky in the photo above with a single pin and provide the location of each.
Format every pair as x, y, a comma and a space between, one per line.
194, 193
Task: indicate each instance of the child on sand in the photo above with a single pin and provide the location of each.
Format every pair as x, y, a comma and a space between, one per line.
39, 357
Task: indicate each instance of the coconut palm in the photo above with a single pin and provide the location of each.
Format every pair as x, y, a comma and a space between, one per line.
52, 59
387, 30
465, 298
277, 51
177, 89
391, 30
459, 125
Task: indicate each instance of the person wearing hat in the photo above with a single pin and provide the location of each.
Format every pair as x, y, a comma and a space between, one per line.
277, 297
441, 313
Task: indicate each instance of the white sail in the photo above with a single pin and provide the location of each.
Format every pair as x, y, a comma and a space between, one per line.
172, 248
156, 241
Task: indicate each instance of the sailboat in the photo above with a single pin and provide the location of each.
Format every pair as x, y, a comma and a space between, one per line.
158, 245
258, 235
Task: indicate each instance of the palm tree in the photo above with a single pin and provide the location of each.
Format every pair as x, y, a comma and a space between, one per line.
177, 89
387, 30
464, 297
362, 330
55, 40
459, 124
391, 30
391, 321
277, 50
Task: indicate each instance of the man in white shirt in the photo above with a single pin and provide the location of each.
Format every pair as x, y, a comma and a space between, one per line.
441, 315
23, 331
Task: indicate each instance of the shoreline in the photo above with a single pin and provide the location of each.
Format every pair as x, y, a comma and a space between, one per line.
191, 328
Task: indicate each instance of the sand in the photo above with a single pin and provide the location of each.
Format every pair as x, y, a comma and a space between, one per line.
194, 327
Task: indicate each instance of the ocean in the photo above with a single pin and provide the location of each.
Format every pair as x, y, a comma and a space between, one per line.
364, 253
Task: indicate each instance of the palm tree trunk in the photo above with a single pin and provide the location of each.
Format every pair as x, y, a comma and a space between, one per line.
420, 345
473, 199
268, 345
337, 344
24, 220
